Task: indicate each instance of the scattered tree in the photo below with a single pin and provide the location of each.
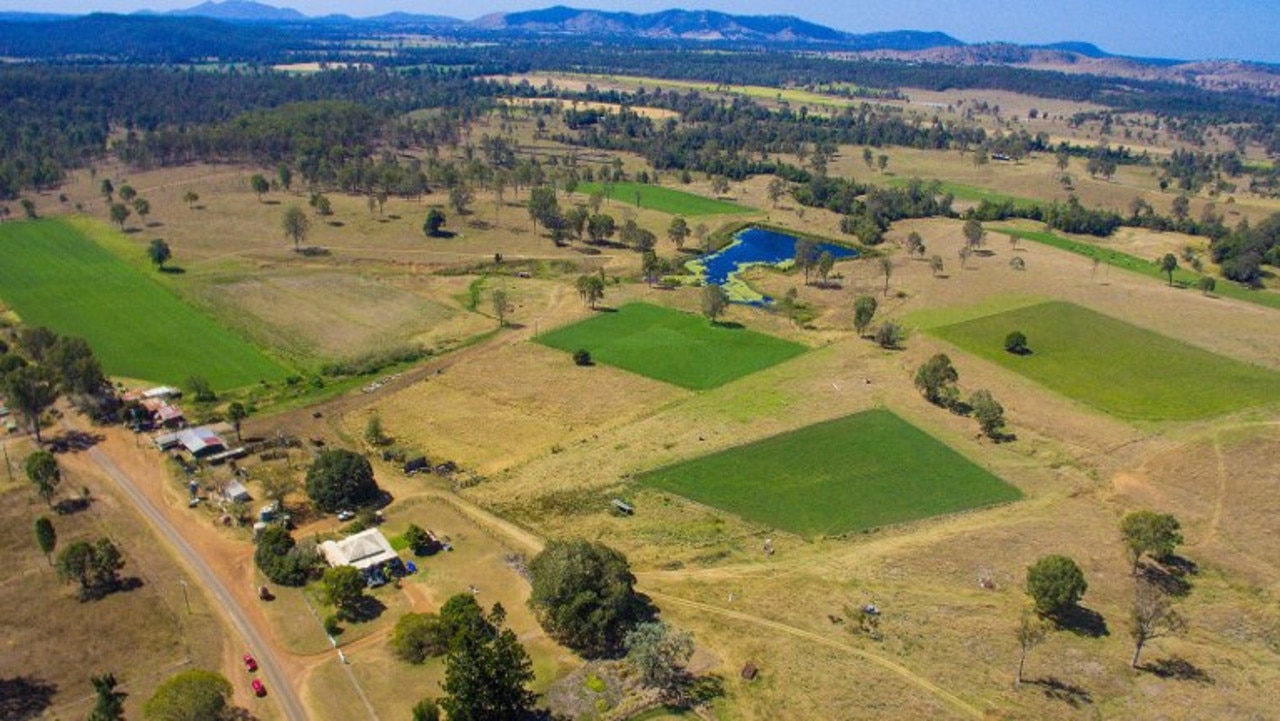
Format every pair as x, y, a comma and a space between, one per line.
285, 174
936, 379
1207, 285
341, 479
989, 414
590, 289
1149, 533
142, 207
343, 588
886, 269
460, 197
964, 253
419, 540
1016, 343
864, 309
277, 483
30, 390
127, 193
46, 538
190, 197
1018, 263
119, 214
29, 208
1151, 617
806, 254
43, 472
543, 206
257, 182
889, 335
1168, 264
501, 306
159, 253
420, 636
1031, 633
777, 189
237, 413
280, 558
201, 390
660, 653
107, 189
193, 695
583, 594
486, 673
434, 224
974, 233
678, 231
95, 566
1056, 584
296, 226
935, 265
714, 302
719, 185
915, 244
826, 262
882, 162
108, 704
601, 227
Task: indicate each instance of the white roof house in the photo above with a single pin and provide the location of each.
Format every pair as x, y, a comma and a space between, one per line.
362, 550
236, 492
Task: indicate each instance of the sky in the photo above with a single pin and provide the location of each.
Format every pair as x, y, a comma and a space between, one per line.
1189, 29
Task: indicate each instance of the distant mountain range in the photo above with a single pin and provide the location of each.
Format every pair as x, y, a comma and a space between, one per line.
162, 37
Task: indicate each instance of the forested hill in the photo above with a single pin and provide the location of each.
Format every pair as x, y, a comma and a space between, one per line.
144, 39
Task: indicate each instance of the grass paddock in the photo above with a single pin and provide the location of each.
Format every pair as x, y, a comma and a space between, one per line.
670, 346
666, 200
1124, 370
854, 473
54, 275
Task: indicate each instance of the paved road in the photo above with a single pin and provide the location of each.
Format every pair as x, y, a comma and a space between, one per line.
277, 687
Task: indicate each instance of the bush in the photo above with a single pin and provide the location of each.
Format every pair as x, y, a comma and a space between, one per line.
584, 596
582, 357
341, 479
1016, 343
889, 335
1056, 584
331, 625
419, 636
281, 560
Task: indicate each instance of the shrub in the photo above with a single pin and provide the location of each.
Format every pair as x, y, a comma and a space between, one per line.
582, 357
1016, 343
889, 335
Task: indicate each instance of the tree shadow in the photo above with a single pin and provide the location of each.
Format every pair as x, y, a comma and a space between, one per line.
1170, 581
443, 234
1020, 351
605, 309
728, 324
270, 202
71, 506
25, 697
393, 216
74, 440
314, 251
1057, 690
1083, 621
367, 608
155, 224
337, 224
173, 270
132, 231
1178, 669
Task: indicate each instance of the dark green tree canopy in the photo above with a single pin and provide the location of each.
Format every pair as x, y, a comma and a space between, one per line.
281, 560
194, 695
936, 379
486, 671
341, 479
1056, 584
1150, 533
584, 596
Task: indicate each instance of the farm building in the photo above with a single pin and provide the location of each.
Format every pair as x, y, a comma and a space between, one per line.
235, 492
362, 550
199, 442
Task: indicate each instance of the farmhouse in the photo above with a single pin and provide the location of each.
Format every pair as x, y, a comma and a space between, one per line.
362, 550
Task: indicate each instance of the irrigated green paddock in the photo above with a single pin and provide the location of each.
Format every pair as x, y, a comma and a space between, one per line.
853, 473
666, 200
667, 345
1124, 370
53, 275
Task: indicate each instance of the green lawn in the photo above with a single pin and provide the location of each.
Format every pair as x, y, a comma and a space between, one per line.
1124, 261
854, 473
1124, 370
666, 200
54, 275
678, 348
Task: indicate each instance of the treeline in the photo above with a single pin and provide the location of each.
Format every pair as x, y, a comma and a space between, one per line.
148, 39
55, 119
781, 69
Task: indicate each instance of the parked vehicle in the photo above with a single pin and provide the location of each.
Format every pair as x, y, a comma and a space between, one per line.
250, 663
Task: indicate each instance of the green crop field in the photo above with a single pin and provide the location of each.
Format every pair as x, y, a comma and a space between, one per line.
1124, 261
667, 345
1124, 370
850, 474
53, 275
666, 200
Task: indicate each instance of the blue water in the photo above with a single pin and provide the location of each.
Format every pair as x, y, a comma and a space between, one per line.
757, 245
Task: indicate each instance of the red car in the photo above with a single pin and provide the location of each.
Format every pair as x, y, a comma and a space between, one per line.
250, 663
258, 688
